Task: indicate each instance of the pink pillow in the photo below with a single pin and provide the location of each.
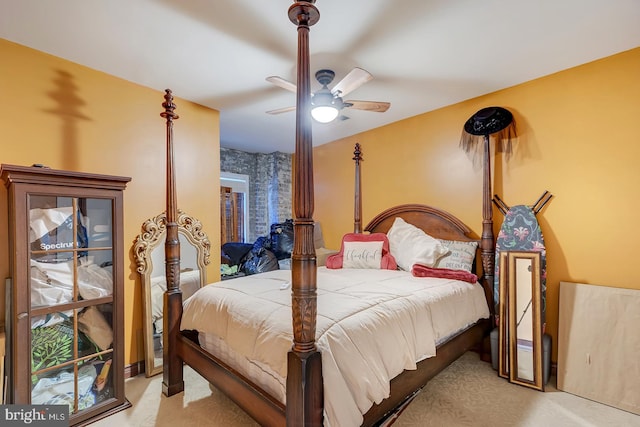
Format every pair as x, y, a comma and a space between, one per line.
364, 257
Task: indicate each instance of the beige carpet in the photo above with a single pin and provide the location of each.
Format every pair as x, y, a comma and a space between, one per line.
467, 393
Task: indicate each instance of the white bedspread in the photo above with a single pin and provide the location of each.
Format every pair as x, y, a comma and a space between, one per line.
372, 325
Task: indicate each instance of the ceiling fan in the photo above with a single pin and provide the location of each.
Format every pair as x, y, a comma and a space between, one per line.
326, 103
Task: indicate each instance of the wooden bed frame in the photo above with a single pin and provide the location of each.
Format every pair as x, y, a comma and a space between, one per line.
304, 388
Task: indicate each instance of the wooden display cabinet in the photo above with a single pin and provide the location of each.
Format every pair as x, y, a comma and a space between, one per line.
65, 301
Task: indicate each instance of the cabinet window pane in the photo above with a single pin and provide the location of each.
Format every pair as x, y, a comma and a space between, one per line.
52, 343
51, 228
71, 249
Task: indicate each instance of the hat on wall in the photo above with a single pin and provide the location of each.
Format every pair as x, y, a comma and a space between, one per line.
489, 121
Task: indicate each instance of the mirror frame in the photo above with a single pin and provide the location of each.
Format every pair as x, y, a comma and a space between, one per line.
503, 330
514, 282
153, 232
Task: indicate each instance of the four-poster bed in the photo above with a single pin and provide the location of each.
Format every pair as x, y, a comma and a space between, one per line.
305, 393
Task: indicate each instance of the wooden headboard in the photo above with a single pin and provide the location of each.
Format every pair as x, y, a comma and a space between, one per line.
437, 223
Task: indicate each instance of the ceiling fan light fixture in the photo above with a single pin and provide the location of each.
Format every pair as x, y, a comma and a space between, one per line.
324, 113
324, 108
326, 104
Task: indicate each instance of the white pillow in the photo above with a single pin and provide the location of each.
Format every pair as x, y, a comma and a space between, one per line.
410, 245
362, 254
460, 255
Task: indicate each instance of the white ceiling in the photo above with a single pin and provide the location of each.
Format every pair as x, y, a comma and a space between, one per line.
423, 54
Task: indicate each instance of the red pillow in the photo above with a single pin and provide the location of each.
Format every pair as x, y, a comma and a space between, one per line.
387, 260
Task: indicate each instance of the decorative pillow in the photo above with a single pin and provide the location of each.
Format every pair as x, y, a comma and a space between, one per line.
459, 257
410, 245
363, 251
362, 254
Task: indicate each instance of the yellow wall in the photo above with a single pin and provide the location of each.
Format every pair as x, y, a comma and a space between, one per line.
70, 117
579, 138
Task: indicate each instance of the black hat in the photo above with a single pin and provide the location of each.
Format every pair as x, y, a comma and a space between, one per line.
488, 120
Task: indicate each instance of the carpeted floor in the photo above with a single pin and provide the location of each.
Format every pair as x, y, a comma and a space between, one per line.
467, 393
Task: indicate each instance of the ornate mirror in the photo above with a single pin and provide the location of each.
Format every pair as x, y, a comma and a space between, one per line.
149, 255
520, 318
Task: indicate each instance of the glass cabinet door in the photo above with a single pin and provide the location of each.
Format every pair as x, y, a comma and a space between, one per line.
71, 299
65, 293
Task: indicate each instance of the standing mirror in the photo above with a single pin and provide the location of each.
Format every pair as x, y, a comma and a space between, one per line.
520, 318
503, 322
149, 255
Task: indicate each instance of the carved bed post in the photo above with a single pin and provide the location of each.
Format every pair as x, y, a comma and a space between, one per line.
172, 381
487, 243
304, 364
357, 212
485, 122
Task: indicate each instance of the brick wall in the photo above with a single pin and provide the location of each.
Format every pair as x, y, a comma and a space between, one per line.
270, 197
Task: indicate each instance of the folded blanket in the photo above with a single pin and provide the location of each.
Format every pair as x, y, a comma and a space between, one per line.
420, 270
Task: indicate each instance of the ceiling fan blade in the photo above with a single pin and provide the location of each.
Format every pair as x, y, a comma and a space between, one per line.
284, 84
356, 78
379, 107
281, 110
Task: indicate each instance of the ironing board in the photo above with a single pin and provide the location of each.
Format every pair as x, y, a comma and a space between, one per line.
520, 231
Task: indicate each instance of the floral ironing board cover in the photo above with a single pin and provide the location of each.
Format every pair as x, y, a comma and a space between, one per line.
520, 231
